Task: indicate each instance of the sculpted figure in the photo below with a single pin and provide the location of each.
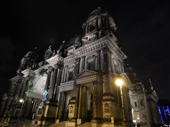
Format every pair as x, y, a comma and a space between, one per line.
45, 95
30, 86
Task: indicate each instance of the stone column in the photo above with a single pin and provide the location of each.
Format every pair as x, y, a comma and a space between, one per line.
23, 89
77, 66
101, 62
86, 62
58, 80
48, 78
52, 84
98, 60
113, 67
61, 105
94, 100
62, 76
79, 105
83, 103
81, 64
27, 82
65, 74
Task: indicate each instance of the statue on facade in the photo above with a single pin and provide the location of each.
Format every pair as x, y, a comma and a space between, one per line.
48, 53
30, 86
45, 95
43, 71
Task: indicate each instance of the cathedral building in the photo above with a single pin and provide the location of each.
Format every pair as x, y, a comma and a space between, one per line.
77, 83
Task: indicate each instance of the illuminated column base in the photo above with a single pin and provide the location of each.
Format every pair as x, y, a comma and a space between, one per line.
46, 114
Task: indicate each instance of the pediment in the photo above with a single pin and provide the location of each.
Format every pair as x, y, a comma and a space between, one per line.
85, 73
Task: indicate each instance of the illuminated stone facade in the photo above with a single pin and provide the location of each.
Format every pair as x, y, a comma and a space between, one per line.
77, 83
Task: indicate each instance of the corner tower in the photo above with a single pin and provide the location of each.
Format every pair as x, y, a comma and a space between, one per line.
98, 24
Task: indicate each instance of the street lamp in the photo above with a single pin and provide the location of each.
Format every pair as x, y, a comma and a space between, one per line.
119, 82
22, 102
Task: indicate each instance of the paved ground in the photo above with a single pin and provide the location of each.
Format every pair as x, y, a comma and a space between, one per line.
27, 123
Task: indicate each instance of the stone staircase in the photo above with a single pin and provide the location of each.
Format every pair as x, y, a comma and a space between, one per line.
62, 124
86, 124
27, 123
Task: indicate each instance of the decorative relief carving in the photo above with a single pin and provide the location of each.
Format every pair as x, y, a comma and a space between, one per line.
106, 108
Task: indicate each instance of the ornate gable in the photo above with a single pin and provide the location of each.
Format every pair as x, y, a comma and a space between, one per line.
86, 73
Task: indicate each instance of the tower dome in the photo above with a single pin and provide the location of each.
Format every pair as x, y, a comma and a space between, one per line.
97, 11
32, 54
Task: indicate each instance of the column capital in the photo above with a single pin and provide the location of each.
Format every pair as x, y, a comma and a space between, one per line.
105, 49
77, 60
82, 57
98, 51
50, 69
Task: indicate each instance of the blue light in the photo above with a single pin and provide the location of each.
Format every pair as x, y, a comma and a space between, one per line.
164, 111
168, 110
160, 113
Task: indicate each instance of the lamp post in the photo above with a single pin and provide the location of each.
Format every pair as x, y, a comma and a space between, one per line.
119, 82
22, 102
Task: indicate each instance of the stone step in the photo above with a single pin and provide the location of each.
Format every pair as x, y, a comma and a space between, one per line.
86, 124
61, 124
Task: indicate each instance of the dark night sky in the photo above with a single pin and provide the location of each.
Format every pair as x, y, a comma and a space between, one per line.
143, 31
